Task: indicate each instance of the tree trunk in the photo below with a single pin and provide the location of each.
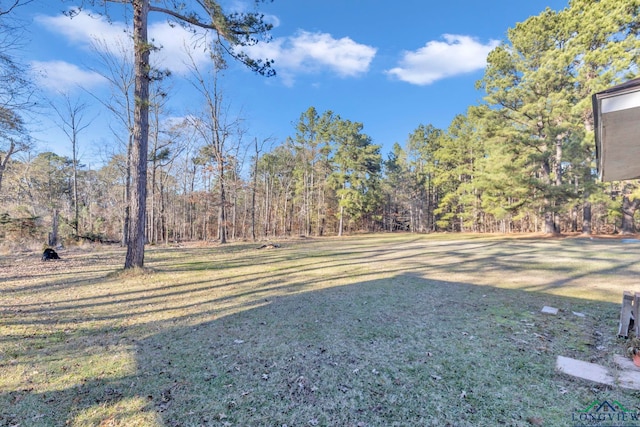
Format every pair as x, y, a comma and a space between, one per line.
127, 196
253, 192
53, 236
574, 219
153, 235
76, 208
628, 211
5, 161
135, 247
549, 224
586, 218
341, 222
264, 209
222, 216
164, 229
309, 202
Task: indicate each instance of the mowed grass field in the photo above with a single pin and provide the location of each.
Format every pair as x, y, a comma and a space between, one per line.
375, 330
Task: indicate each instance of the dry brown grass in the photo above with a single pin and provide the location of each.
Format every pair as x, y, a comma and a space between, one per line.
362, 331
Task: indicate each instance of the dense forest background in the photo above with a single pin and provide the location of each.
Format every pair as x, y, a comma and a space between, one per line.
521, 161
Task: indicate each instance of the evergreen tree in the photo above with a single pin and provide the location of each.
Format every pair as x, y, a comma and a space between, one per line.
457, 158
312, 145
539, 87
421, 148
357, 167
604, 49
503, 175
396, 183
528, 86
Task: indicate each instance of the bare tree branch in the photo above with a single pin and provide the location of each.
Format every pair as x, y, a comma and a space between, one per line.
15, 4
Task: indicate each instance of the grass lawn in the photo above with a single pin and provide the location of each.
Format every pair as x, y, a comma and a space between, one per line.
379, 330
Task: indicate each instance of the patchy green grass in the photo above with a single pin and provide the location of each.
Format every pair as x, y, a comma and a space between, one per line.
382, 330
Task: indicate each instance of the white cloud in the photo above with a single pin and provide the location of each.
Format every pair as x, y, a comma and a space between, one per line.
175, 43
83, 28
305, 52
243, 6
310, 53
90, 32
344, 56
61, 76
437, 60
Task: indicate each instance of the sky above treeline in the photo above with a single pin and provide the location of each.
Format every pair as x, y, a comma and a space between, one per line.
389, 65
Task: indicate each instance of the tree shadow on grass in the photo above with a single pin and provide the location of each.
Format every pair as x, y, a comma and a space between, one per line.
399, 351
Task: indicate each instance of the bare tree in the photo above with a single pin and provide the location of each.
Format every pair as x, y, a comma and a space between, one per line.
258, 147
118, 71
254, 187
12, 5
166, 146
216, 130
13, 138
72, 120
15, 90
232, 30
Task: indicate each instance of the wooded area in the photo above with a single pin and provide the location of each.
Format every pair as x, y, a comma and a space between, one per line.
522, 161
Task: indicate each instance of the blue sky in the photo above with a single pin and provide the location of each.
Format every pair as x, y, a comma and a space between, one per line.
389, 65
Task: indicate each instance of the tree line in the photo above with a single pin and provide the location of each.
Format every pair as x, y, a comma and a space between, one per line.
523, 160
